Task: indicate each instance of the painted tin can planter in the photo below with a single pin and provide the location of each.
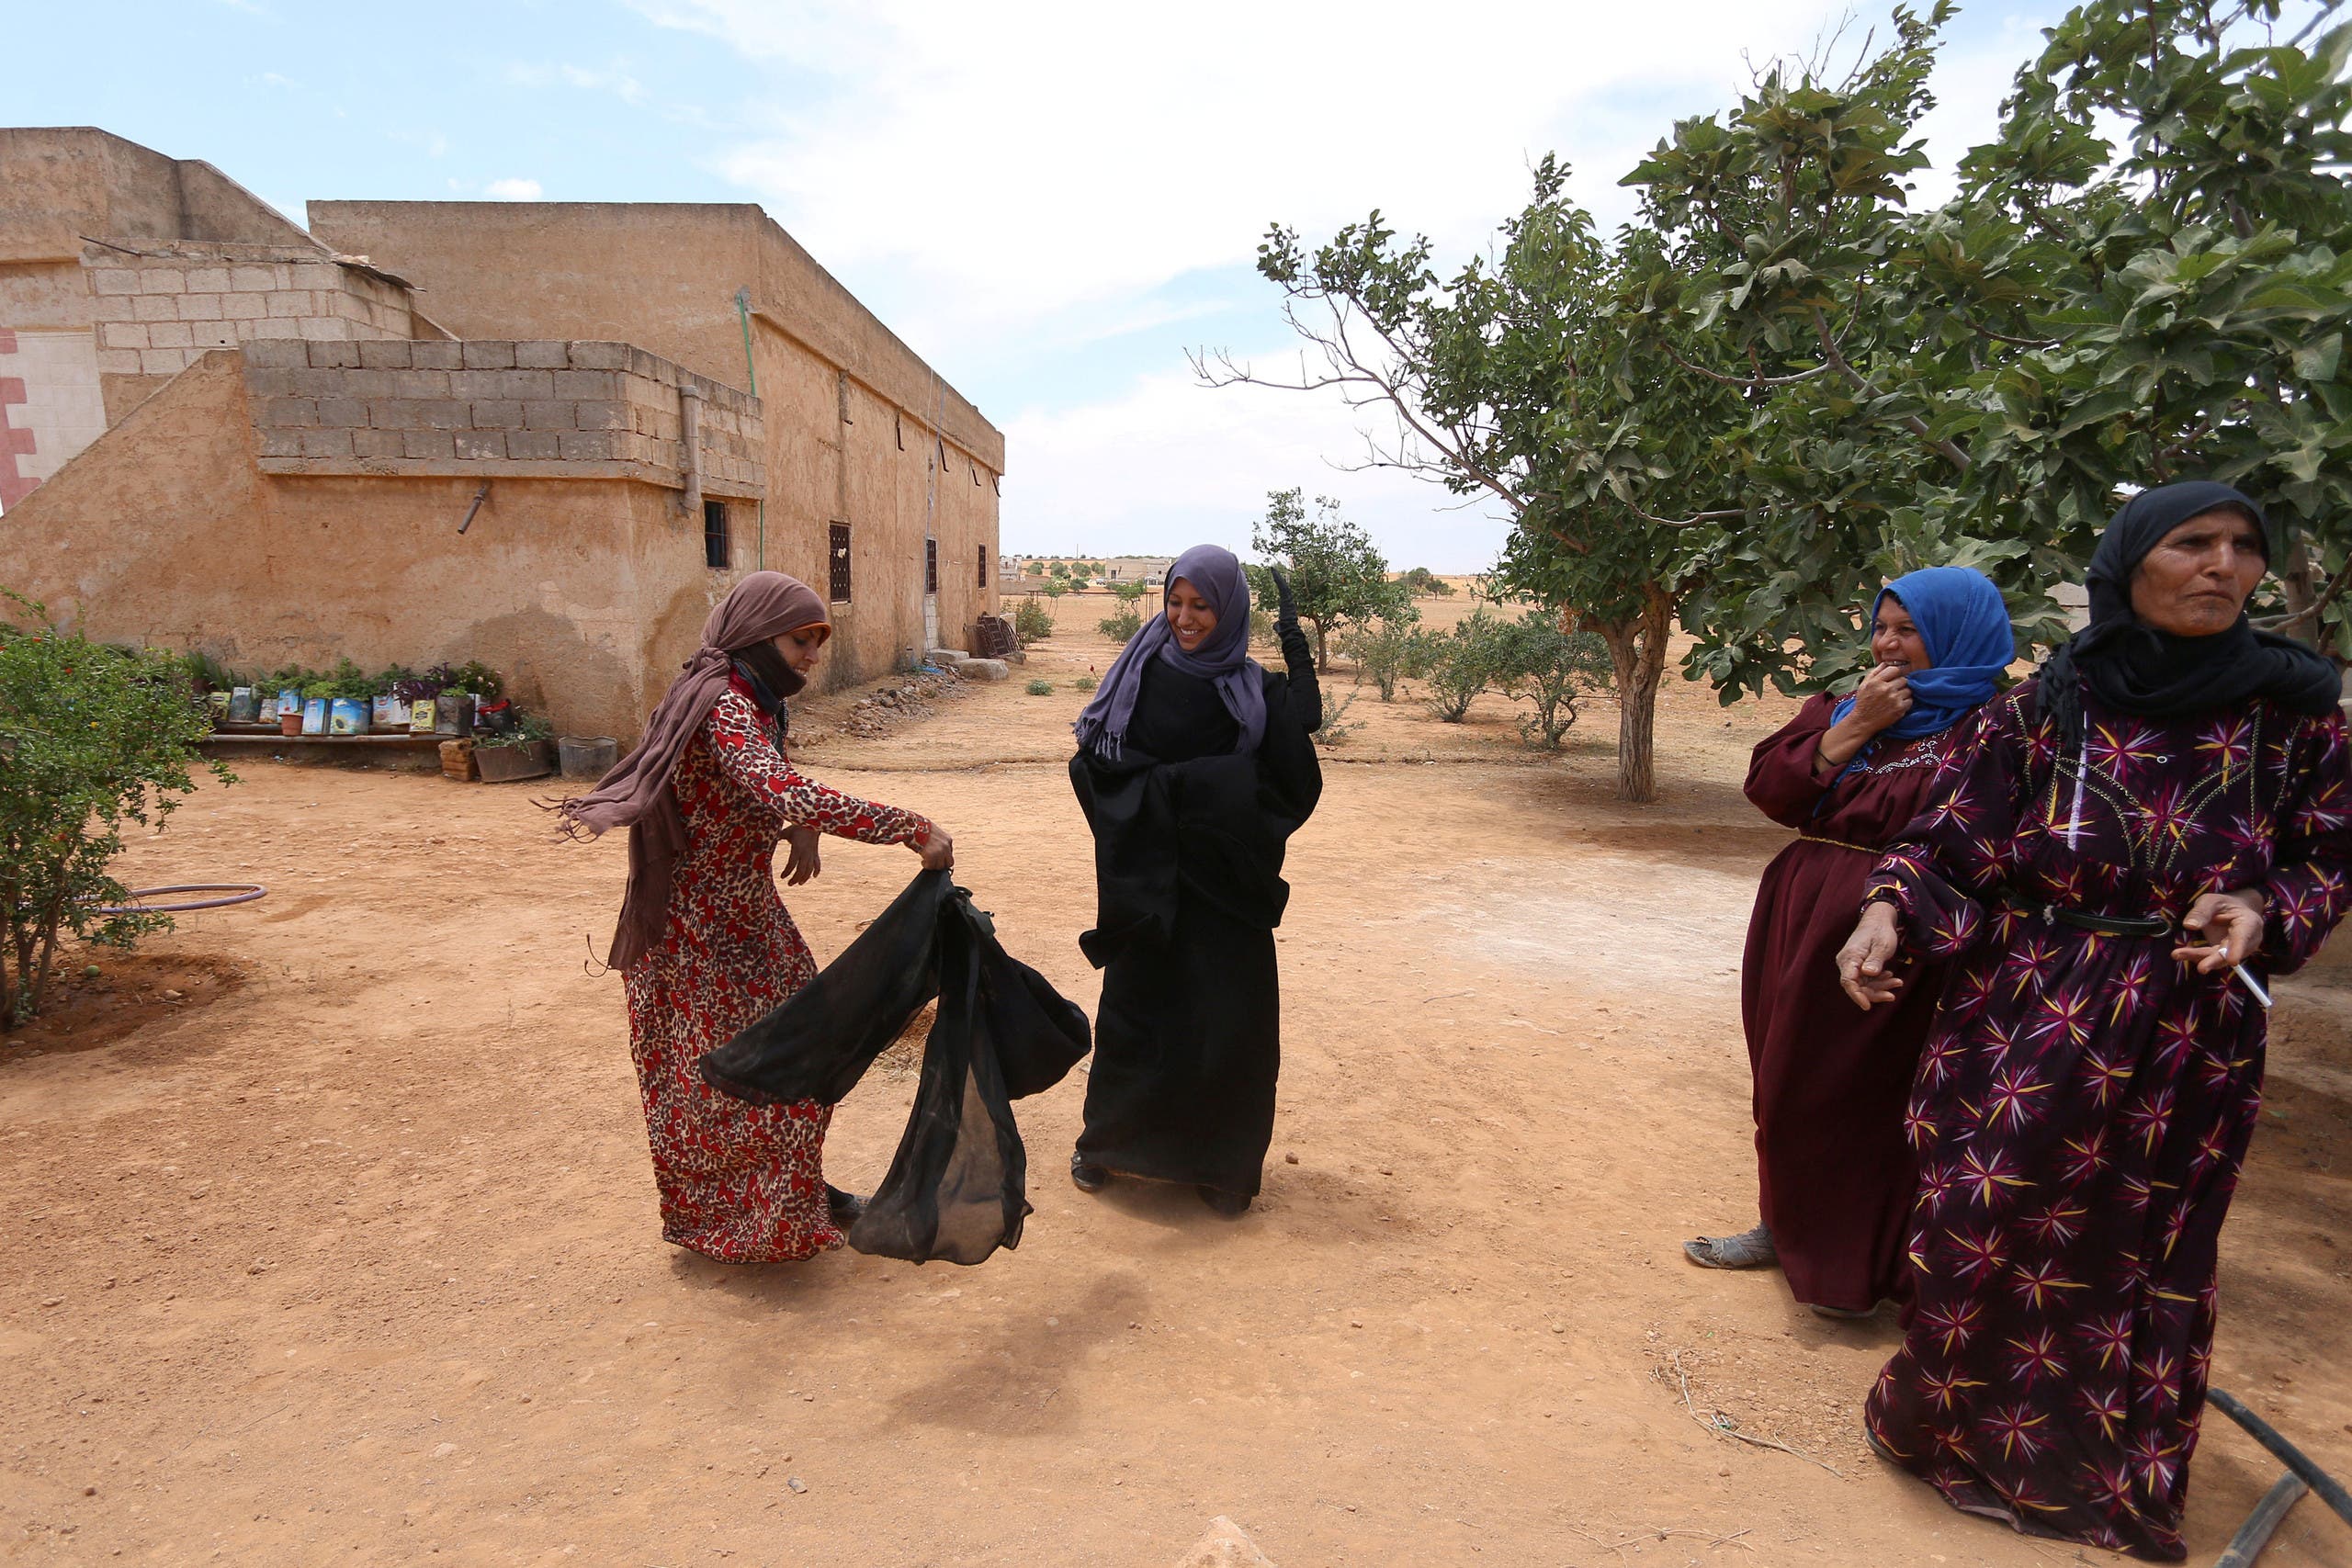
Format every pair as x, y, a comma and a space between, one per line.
289, 701
388, 713
244, 705
420, 716
347, 715
267, 711
315, 715
453, 713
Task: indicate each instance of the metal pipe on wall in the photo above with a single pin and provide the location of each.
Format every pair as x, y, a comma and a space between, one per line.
690, 435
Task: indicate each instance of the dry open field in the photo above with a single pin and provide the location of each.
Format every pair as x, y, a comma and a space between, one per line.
347, 1252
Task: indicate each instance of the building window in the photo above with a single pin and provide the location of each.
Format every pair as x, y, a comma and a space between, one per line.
715, 552
984, 571
930, 566
838, 592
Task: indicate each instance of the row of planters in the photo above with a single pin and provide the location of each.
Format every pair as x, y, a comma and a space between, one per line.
465, 703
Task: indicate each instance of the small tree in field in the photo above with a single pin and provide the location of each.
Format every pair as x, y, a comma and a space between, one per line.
1032, 622
1539, 662
1423, 583
1461, 663
1121, 624
1129, 592
1338, 575
90, 737
1387, 650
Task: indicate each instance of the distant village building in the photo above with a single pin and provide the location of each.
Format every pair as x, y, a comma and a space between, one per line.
545, 435
1026, 573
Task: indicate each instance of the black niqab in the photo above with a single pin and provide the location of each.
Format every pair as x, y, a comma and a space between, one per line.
2133, 668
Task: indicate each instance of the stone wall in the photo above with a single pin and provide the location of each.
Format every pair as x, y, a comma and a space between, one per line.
155, 313
495, 408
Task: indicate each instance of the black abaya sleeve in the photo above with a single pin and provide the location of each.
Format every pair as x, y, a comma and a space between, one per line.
1305, 700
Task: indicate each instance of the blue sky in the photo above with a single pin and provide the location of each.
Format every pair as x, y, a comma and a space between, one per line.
1051, 202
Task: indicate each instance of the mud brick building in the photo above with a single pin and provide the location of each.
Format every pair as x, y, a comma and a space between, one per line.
545, 435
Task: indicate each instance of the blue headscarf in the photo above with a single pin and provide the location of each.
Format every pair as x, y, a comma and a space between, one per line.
1966, 627
1223, 657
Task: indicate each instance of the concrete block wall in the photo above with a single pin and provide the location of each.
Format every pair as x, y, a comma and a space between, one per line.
154, 314
520, 408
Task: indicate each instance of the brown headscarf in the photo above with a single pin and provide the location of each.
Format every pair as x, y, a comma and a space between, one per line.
637, 792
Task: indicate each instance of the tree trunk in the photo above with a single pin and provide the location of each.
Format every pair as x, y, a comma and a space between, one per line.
1322, 645
1637, 653
2299, 581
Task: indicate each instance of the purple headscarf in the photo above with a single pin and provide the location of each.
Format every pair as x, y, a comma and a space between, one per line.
1223, 657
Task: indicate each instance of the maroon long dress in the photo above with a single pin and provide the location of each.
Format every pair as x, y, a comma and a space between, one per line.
1833, 1170
739, 1182
2085, 1101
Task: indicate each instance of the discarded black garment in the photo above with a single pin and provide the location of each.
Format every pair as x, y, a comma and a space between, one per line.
956, 1189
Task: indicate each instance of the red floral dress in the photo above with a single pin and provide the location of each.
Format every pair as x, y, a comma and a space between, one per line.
742, 1183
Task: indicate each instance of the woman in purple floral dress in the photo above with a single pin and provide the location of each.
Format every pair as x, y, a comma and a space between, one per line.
2108, 845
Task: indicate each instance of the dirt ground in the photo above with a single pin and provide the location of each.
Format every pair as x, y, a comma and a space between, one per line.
332, 1237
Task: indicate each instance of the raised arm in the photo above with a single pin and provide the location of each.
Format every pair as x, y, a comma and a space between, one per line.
1304, 696
743, 752
1782, 781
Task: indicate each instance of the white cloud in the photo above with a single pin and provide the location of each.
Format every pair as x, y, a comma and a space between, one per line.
995, 178
615, 79
1028, 157
1170, 463
512, 190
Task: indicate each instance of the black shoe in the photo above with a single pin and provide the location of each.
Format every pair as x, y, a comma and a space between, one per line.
1229, 1204
1088, 1178
844, 1207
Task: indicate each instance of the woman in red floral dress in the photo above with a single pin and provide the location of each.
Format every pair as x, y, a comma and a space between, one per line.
705, 946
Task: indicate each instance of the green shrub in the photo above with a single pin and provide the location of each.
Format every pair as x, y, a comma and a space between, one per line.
1332, 731
1041, 687
1461, 663
1387, 651
1129, 592
90, 737
1085, 684
1032, 622
1053, 588
1122, 626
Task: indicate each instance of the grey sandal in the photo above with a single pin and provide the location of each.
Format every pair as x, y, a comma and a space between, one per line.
1749, 1249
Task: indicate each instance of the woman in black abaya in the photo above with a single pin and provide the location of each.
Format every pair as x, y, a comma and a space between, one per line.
1195, 766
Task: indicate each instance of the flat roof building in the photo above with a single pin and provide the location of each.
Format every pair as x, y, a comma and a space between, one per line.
222, 432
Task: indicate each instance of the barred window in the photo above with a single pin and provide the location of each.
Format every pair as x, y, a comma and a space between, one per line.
930, 566
839, 590
716, 553
984, 571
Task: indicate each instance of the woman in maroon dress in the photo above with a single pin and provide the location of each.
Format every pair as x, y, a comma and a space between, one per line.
705, 946
2093, 1076
1833, 1173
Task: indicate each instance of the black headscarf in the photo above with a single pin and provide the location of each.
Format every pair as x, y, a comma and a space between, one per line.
2131, 666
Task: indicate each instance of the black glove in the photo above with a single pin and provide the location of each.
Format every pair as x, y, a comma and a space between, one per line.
1285, 602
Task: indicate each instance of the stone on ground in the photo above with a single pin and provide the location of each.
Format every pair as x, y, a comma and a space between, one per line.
1227, 1545
983, 669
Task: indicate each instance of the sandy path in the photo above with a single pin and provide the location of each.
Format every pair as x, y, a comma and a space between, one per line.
350, 1253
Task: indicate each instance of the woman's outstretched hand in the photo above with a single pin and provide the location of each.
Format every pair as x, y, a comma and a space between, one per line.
801, 862
938, 850
1864, 961
2235, 919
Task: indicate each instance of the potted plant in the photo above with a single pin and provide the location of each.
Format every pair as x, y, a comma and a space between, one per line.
389, 703
524, 752
316, 696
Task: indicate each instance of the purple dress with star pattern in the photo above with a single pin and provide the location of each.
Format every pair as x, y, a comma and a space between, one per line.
2084, 1100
